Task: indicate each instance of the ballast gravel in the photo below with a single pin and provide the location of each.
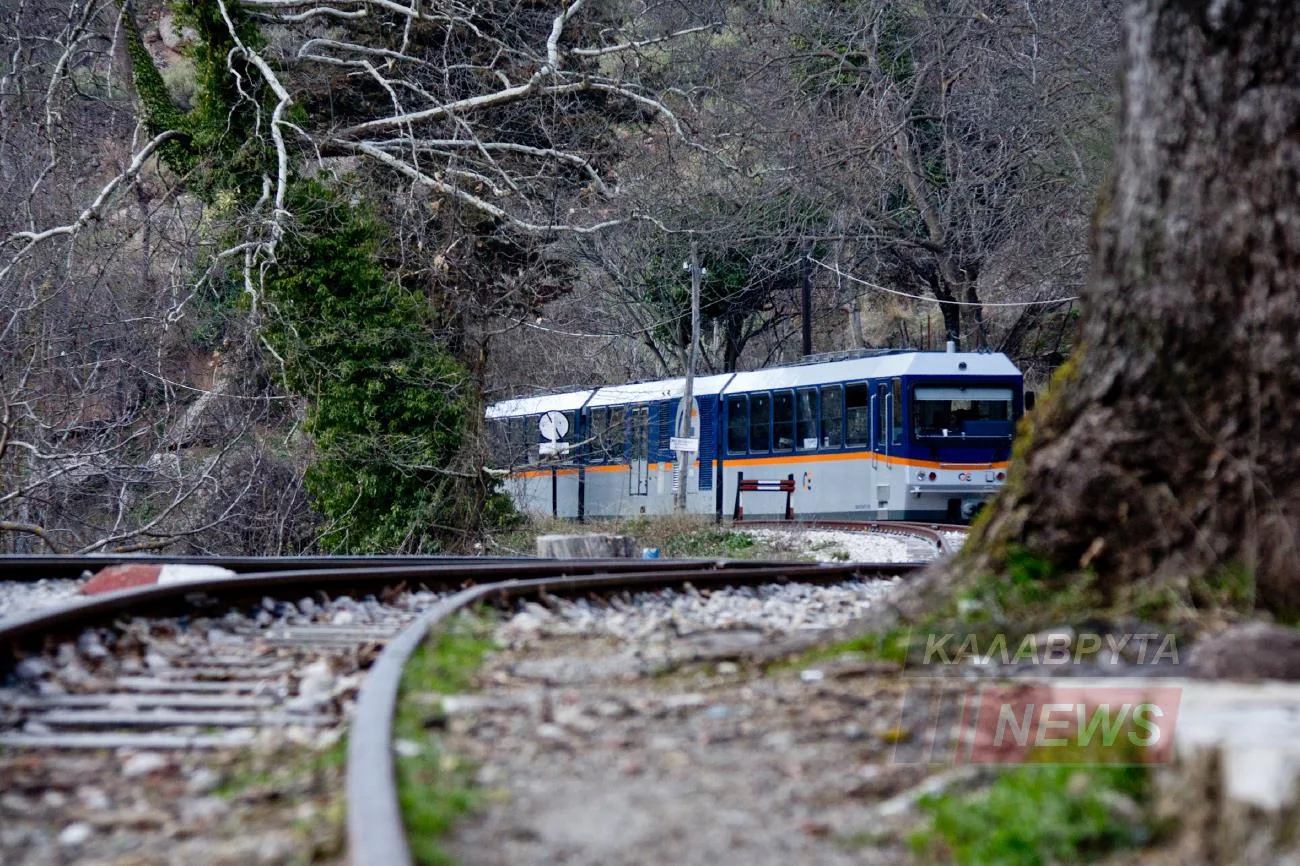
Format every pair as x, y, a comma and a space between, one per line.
645, 731
276, 799
771, 608
19, 597
831, 545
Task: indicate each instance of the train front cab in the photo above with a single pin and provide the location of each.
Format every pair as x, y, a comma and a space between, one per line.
956, 442
907, 447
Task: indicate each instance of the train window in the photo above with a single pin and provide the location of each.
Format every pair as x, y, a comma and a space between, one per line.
737, 425
760, 422
856, 407
639, 439
832, 416
498, 431
520, 440
615, 436
882, 417
897, 435
596, 438
782, 420
957, 411
806, 419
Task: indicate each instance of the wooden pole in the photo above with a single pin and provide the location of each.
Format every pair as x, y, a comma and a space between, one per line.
688, 392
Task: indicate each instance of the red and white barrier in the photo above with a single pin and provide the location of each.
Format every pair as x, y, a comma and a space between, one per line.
117, 577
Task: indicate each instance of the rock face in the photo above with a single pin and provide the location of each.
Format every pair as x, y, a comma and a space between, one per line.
1234, 787
1254, 651
585, 546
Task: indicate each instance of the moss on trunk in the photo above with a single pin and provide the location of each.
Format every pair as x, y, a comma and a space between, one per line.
1167, 451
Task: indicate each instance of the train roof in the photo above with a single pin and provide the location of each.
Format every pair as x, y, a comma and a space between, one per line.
879, 367
794, 376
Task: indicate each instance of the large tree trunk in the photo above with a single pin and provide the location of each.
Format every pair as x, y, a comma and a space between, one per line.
1171, 446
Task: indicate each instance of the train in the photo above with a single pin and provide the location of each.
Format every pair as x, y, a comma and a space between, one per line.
885, 435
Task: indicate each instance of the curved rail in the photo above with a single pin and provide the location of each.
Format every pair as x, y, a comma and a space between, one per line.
930, 532
19, 567
376, 832
21, 629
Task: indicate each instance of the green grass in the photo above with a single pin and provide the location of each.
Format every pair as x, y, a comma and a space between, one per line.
280, 772
434, 787
684, 536
1035, 816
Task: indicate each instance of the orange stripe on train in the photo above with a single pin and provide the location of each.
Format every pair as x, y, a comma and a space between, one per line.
801, 457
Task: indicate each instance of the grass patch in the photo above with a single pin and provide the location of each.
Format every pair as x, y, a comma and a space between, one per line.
275, 787
1038, 815
1025, 600
677, 536
277, 772
434, 788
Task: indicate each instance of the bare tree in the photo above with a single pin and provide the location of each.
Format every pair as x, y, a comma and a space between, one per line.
119, 429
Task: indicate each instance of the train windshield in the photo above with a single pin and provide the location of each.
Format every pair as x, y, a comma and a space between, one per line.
962, 412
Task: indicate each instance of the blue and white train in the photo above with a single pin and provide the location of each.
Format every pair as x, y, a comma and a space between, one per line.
900, 435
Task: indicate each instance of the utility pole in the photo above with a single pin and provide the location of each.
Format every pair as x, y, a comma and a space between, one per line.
685, 458
807, 303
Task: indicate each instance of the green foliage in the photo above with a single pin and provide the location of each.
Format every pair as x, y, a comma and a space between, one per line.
1033, 816
222, 147
434, 789
1230, 587
837, 57
388, 405
1027, 594
160, 113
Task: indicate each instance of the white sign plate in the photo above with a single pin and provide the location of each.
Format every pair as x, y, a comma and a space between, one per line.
677, 443
553, 449
553, 425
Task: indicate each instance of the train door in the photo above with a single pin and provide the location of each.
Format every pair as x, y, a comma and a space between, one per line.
873, 435
884, 405
883, 424
638, 470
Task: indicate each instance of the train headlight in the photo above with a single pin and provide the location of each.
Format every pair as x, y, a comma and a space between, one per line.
920, 476
1002, 476
933, 476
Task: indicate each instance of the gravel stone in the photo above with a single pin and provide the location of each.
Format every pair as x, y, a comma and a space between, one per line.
22, 597
147, 805
75, 835
646, 748
143, 764
831, 545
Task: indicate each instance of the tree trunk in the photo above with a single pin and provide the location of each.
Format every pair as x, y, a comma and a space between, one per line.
1169, 448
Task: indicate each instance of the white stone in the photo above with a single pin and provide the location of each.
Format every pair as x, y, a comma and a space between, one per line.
142, 764
93, 799
407, 748
176, 573
75, 835
203, 780
203, 810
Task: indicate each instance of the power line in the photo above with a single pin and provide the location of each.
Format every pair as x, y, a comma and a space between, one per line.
870, 285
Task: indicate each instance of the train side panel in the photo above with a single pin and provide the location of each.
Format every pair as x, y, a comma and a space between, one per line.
927, 445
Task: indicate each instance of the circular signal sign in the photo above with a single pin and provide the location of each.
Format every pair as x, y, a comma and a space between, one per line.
554, 425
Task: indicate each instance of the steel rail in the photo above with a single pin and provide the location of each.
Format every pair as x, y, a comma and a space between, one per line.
376, 832
18, 630
18, 567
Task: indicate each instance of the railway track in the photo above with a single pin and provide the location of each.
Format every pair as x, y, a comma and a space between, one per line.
212, 665
941, 535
